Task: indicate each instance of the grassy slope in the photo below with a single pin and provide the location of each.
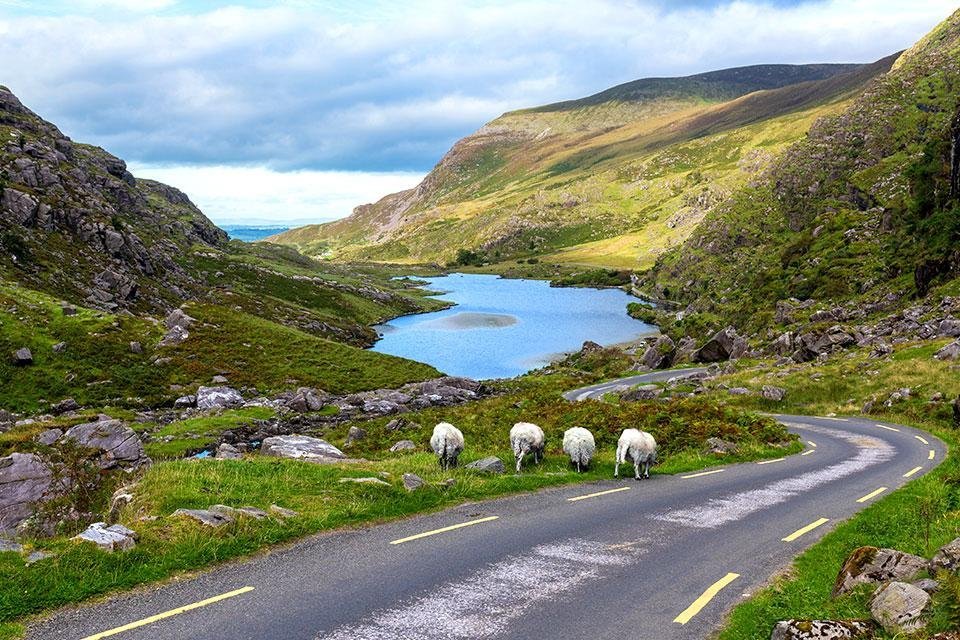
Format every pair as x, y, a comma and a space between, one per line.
622, 180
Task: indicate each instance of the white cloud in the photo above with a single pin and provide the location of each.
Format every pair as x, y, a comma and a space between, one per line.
258, 195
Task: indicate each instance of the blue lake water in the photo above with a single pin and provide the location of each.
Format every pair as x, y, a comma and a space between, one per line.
501, 328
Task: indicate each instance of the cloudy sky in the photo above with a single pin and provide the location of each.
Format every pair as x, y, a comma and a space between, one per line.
295, 111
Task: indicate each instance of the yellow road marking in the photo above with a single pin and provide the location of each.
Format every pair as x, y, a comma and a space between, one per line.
598, 493
452, 527
872, 494
770, 461
808, 452
883, 426
807, 529
932, 455
168, 614
921, 439
705, 598
911, 472
702, 473
812, 443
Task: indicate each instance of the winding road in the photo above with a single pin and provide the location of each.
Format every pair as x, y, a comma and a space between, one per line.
658, 559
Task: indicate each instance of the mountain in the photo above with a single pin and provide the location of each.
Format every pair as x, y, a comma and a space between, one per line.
861, 215
93, 259
612, 179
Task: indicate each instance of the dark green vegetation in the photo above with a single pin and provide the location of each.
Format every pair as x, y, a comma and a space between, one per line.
866, 205
611, 180
170, 545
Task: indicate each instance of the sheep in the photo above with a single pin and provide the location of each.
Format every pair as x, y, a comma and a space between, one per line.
527, 438
447, 443
578, 443
638, 447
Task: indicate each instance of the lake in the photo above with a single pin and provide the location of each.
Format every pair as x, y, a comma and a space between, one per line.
502, 328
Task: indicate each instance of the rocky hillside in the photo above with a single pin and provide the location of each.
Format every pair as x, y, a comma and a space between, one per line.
858, 220
612, 179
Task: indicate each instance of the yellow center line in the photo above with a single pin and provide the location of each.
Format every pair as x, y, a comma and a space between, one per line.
921, 439
812, 443
932, 455
598, 493
883, 426
872, 494
427, 534
808, 452
705, 598
702, 473
807, 529
168, 614
912, 471
771, 461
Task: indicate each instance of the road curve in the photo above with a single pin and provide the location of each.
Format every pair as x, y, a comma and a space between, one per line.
658, 559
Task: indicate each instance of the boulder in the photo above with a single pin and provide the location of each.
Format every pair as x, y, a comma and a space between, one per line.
185, 402
283, 512
65, 405
775, 394
227, 451
206, 517
722, 346
949, 352
946, 558
116, 443
253, 512
872, 565
403, 445
177, 318
22, 357
899, 607
643, 392
660, 354
49, 436
490, 464
929, 585
685, 349
783, 345
354, 434
412, 482
24, 480
69, 310
822, 629
60, 347
218, 398
9, 546
111, 538
367, 480
739, 391
135, 347
306, 400
719, 446
218, 379
301, 448
949, 327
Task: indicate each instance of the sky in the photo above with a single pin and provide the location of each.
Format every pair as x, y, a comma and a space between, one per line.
296, 111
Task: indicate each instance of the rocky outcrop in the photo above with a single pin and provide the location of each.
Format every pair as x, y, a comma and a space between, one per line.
111, 538
822, 629
899, 607
218, 398
947, 558
870, 565
724, 345
24, 481
775, 394
301, 448
116, 444
660, 354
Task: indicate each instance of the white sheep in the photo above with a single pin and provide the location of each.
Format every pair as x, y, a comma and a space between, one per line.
638, 447
578, 443
527, 438
447, 443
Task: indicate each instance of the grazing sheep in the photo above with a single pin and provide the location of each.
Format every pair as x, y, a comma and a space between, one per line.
638, 447
447, 443
578, 443
527, 438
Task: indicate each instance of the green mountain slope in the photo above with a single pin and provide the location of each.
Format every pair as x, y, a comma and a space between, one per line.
77, 229
863, 210
613, 178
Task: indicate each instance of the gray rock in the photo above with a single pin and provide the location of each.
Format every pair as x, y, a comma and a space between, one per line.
60, 347
69, 310
253, 512
403, 445
49, 436
870, 565
929, 585
227, 451
116, 443
218, 379
37, 556
739, 391
301, 448
822, 629
354, 434
10, 546
946, 558
185, 402
949, 352
412, 482
643, 392
177, 318
218, 398
283, 512
949, 327
775, 394
6, 418
65, 405
113, 538
899, 607
25, 481
719, 446
306, 400
120, 499
22, 357
367, 480
660, 354
135, 347
724, 345
490, 464
204, 516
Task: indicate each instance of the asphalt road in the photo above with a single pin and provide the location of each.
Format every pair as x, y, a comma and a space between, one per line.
657, 559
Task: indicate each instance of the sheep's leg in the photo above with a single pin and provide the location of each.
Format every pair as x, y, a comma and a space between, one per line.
646, 469
636, 470
578, 465
616, 467
519, 455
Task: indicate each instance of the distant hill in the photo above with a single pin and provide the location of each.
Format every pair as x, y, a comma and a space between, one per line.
613, 179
